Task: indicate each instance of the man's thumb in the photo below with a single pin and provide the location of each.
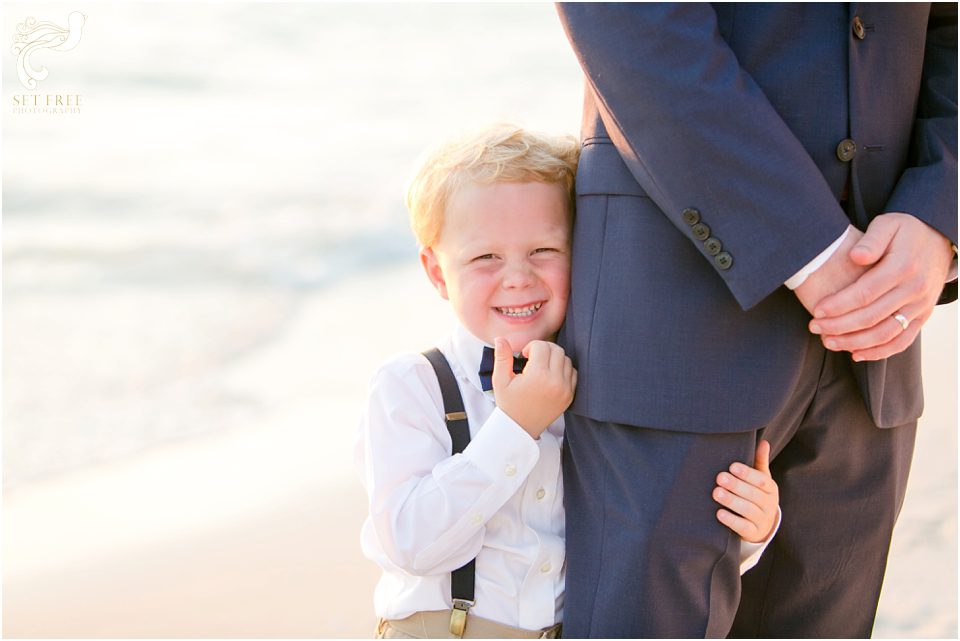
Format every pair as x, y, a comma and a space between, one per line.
502, 363
874, 243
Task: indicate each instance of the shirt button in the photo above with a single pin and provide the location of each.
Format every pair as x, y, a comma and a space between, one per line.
846, 150
477, 519
541, 493
701, 231
510, 470
724, 260
545, 568
858, 29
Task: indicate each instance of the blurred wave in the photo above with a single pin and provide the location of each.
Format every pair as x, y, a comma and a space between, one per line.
229, 162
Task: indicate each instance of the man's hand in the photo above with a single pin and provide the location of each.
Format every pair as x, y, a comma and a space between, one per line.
752, 497
907, 263
536, 397
838, 272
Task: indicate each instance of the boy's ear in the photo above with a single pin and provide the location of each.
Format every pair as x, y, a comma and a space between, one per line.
434, 272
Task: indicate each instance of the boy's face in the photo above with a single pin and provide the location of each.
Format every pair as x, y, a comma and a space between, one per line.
503, 260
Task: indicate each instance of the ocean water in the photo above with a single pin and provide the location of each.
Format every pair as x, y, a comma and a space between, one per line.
228, 162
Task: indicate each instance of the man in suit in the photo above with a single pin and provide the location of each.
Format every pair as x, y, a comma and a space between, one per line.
728, 151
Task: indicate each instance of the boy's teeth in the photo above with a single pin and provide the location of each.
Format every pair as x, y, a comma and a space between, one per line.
519, 311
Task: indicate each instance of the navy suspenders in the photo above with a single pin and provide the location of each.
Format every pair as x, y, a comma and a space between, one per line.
462, 579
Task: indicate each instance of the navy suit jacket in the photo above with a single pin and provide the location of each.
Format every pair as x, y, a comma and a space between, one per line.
717, 144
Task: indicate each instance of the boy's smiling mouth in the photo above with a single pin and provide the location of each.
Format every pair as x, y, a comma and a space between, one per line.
520, 312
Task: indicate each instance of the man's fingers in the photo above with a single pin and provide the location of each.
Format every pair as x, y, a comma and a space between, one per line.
875, 241
862, 292
895, 346
887, 350
893, 302
761, 460
888, 329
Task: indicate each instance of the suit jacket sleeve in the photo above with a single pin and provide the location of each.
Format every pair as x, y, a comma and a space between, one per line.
695, 130
927, 189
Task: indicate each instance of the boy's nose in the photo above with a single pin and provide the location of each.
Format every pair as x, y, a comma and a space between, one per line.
518, 275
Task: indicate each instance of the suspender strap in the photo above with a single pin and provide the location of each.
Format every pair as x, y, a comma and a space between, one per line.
462, 580
453, 410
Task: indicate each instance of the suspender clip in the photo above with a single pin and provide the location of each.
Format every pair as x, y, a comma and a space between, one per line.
458, 617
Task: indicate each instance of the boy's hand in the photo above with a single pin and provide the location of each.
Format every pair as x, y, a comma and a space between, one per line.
751, 495
536, 397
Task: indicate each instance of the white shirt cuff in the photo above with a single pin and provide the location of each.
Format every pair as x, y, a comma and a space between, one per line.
750, 553
797, 279
503, 450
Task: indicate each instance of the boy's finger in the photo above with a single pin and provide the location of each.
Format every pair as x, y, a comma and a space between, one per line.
738, 524
525, 352
762, 459
538, 353
557, 357
754, 477
545, 353
734, 503
502, 364
740, 488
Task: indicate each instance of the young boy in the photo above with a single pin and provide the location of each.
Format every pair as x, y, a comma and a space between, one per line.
492, 213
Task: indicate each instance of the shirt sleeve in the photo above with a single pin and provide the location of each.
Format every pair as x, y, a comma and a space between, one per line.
429, 508
750, 553
798, 279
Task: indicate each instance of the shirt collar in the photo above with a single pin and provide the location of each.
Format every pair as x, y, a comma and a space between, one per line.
467, 351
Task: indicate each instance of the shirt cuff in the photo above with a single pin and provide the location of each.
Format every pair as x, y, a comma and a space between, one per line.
797, 279
750, 553
502, 449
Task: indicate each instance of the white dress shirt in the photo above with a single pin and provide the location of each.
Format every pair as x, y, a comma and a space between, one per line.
500, 501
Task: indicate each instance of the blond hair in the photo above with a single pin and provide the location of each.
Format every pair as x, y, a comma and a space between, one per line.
499, 153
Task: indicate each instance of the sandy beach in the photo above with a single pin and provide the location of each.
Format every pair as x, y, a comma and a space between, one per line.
156, 546
203, 266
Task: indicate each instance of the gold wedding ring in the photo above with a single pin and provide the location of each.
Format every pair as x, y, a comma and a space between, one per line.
904, 322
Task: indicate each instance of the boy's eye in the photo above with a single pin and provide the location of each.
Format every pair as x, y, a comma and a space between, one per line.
484, 257
540, 250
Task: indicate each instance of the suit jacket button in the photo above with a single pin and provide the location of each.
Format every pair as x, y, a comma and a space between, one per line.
691, 216
713, 246
846, 150
724, 260
701, 231
858, 29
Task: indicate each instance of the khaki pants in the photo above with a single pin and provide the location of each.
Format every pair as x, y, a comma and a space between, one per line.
436, 625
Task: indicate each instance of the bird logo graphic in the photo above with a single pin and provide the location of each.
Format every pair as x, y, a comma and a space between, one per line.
33, 35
